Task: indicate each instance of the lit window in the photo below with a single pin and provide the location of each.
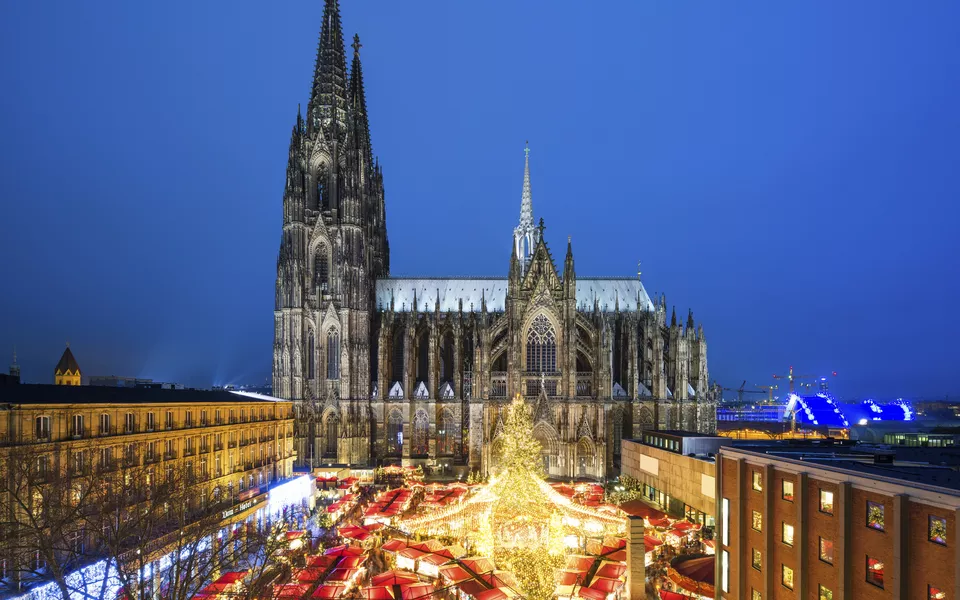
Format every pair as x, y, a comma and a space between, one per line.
875, 572
757, 522
787, 492
725, 571
757, 560
938, 530
826, 550
786, 577
541, 346
788, 534
935, 593
875, 516
757, 481
825, 593
826, 502
755, 595
725, 522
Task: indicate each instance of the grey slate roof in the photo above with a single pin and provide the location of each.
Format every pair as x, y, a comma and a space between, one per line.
473, 290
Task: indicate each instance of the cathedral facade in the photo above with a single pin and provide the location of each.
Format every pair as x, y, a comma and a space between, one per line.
390, 370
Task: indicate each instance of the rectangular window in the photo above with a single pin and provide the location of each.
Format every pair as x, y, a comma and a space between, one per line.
77, 427
826, 550
203, 417
725, 571
938, 530
188, 419
757, 521
151, 421
787, 491
786, 577
787, 534
725, 516
874, 572
217, 417
757, 561
755, 595
875, 515
757, 481
935, 593
104, 424
825, 593
169, 419
130, 423
43, 428
826, 502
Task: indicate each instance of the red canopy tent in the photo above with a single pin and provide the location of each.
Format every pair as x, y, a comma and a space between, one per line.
591, 594
411, 591
395, 577
668, 595
344, 551
231, 577
638, 508
328, 592
611, 569
378, 592
290, 590
338, 575
394, 545
606, 585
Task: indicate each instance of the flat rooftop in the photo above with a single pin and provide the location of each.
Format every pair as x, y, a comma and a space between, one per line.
87, 394
928, 466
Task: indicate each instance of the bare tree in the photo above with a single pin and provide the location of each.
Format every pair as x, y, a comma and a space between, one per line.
43, 508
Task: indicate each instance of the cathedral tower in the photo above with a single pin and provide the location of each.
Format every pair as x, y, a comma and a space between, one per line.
332, 248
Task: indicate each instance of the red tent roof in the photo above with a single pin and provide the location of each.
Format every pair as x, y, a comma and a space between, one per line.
341, 575
611, 569
395, 577
290, 590
231, 577
378, 592
327, 592
309, 575
494, 594
411, 591
394, 545
591, 594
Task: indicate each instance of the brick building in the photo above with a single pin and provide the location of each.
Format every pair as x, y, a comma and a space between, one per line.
834, 524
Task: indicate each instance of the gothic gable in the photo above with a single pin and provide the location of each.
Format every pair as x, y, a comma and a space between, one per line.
541, 268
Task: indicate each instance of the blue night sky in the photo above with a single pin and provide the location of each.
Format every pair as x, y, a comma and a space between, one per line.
788, 170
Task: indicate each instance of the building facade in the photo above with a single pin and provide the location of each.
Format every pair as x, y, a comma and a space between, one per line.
394, 369
814, 525
676, 471
225, 454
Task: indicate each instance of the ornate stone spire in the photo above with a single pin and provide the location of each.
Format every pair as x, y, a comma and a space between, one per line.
526, 235
329, 91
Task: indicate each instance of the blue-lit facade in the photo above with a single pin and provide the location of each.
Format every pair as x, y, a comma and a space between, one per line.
824, 410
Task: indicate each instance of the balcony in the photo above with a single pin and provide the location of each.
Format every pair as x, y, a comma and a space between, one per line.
204, 448
498, 384
550, 382
170, 454
217, 447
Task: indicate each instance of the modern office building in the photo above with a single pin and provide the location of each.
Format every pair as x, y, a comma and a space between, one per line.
834, 523
677, 471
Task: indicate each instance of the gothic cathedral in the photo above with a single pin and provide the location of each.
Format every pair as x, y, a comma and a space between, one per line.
391, 370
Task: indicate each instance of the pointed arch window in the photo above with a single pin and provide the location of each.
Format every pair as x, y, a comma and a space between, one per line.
541, 346
420, 428
333, 355
332, 433
397, 362
447, 434
311, 357
395, 433
321, 268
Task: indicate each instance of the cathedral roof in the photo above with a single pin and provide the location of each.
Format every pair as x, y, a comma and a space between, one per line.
67, 363
607, 291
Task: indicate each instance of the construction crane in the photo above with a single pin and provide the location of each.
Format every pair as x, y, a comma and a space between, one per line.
741, 391
791, 378
769, 389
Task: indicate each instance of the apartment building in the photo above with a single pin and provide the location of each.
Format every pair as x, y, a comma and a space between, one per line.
837, 523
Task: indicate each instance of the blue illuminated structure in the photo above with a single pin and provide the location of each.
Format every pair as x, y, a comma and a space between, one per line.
821, 409
898, 410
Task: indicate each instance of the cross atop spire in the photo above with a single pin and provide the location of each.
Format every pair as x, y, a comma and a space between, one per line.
525, 235
356, 45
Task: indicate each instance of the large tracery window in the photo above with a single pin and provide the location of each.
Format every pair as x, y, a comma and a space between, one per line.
541, 346
333, 355
447, 434
332, 433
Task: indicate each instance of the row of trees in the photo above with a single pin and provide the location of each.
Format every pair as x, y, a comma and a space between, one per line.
149, 530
